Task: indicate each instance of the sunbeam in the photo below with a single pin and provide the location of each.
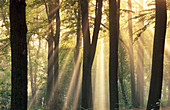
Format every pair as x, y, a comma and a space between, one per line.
63, 69
72, 84
36, 94
100, 98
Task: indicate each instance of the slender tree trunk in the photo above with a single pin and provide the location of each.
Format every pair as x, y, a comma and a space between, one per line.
131, 56
50, 71
158, 56
113, 58
89, 50
140, 73
77, 62
50, 80
18, 31
56, 55
140, 64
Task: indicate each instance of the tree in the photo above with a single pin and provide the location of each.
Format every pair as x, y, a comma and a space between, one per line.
89, 50
56, 52
158, 56
18, 40
77, 60
131, 56
140, 63
113, 55
50, 14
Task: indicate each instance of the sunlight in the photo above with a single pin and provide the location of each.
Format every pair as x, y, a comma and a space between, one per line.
72, 85
78, 90
167, 45
100, 98
36, 94
63, 69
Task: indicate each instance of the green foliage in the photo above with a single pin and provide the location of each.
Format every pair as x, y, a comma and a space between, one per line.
5, 96
124, 74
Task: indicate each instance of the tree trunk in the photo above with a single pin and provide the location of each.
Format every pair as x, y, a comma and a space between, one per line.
18, 40
140, 64
56, 55
89, 50
140, 73
50, 80
77, 61
50, 71
131, 56
158, 56
113, 58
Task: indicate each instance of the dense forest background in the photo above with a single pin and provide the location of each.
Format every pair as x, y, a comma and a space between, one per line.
58, 54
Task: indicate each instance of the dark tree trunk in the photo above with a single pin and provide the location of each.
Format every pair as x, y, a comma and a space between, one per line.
56, 55
158, 56
89, 50
50, 71
18, 30
113, 58
50, 79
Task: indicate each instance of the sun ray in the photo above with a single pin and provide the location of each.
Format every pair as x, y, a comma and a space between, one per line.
72, 83
34, 97
100, 98
78, 90
63, 69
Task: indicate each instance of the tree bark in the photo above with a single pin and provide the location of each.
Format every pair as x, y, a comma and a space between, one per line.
18, 40
113, 58
50, 73
56, 54
89, 50
158, 56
